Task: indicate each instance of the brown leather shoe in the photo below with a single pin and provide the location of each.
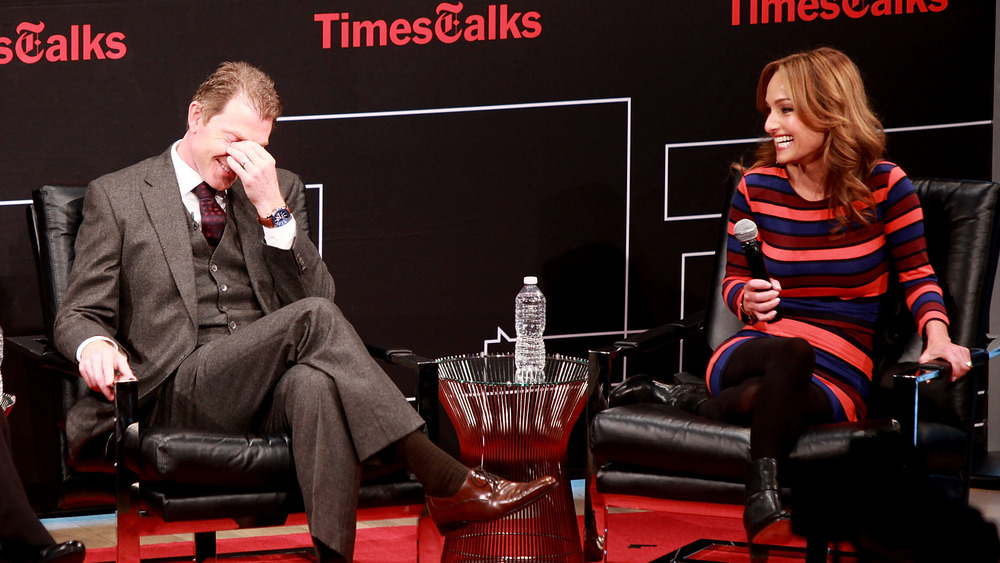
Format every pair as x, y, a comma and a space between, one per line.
484, 497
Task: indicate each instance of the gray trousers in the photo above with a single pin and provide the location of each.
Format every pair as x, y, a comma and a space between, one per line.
302, 369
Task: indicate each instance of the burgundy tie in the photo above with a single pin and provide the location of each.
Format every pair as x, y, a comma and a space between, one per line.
213, 218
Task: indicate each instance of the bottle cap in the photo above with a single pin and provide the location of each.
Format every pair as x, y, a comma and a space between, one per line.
530, 280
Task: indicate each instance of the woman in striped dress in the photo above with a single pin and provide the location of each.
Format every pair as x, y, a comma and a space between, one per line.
835, 221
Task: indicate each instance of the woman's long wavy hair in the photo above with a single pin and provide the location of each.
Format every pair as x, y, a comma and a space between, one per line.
829, 96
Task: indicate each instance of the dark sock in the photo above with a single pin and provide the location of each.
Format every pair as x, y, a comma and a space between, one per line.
440, 474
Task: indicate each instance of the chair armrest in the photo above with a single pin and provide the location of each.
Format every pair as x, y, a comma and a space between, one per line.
126, 420
126, 407
41, 350
905, 380
662, 335
603, 359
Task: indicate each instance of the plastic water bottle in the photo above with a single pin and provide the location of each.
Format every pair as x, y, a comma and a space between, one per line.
529, 322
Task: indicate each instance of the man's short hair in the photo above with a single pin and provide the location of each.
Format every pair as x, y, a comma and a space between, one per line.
234, 79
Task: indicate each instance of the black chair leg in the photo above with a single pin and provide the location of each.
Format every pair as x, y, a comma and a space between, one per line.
204, 546
816, 549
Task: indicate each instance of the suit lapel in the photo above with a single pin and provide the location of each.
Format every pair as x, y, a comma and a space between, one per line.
243, 216
162, 199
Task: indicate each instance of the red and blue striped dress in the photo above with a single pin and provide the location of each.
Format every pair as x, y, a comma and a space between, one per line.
832, 282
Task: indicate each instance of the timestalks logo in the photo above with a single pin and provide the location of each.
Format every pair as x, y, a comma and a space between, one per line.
449, 26
31, 46
778, 11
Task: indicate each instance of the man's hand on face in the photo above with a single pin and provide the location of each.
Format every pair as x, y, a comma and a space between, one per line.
256, 168
101, 365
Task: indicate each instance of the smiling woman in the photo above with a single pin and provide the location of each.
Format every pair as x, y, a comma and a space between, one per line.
835, 221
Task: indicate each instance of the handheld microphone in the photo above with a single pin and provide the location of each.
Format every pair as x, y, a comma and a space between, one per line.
746, 232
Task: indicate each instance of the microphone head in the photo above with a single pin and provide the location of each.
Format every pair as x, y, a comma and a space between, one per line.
745, 230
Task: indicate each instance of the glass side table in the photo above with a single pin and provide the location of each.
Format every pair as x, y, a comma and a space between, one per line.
519, 432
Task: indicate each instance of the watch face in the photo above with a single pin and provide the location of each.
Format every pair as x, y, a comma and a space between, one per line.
281, 216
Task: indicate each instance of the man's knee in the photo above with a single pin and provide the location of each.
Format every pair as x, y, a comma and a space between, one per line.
320, 307
318, 316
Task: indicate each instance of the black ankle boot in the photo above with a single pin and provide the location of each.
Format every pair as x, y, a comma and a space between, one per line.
764, 518
641, 389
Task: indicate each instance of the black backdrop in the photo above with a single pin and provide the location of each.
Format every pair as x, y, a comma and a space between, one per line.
587, 143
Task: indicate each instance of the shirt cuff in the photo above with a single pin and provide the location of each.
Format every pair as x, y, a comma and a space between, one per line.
280, 237
85, 343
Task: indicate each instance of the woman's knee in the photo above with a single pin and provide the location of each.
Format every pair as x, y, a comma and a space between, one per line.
794, 353
745, 396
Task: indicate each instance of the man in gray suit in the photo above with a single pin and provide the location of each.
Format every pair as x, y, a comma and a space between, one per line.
193, 274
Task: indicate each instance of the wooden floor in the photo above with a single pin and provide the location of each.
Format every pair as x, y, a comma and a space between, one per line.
99, 530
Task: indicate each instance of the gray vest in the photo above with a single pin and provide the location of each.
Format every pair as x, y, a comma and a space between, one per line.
226, 301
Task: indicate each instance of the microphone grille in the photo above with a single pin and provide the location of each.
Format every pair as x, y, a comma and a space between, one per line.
745, 230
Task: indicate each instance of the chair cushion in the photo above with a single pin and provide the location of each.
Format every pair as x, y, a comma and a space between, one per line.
260, 465
174, 502
210, 458
615, 478
195, 475
674, 441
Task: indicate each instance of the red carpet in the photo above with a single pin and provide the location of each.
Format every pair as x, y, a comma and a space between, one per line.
637, 537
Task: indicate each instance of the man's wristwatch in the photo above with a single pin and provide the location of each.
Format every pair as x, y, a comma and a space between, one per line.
277, 218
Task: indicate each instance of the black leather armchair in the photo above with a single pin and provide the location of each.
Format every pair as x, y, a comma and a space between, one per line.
166, 481
655, 451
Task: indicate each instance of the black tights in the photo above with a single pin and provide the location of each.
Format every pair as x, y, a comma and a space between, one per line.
767, 385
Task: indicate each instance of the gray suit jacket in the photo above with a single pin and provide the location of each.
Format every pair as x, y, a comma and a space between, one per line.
133, 277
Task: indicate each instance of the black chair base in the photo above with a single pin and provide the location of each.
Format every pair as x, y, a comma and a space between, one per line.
986, 471
721, 551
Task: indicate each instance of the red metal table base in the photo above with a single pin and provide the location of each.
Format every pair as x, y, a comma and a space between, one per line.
518, 432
